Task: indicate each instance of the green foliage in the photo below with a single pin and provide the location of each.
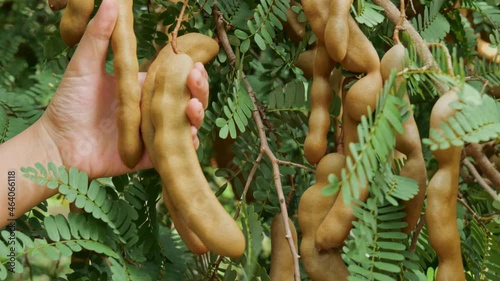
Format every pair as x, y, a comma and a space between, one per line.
128, 235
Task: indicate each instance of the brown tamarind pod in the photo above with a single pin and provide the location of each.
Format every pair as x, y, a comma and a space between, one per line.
126, 68
74, 20
192, 241
56, 5
326, 265
408, 142
487, 51
305, 61
316, 141
317, 13
167, 135
281, 256
337, 29
441, 216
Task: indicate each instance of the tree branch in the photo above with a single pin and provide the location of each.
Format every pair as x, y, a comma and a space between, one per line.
476, 151
264, 145
480, 179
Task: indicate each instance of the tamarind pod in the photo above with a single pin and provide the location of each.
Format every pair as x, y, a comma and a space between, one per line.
337, 223
361, 56
294, 29
326, 265
363, 96
191, 240
442, 192
317, 15
337, 29
175, 156
281, 257
56, 5
487, 51
316, 141
305, 61
408, 142
74, 20
126, 68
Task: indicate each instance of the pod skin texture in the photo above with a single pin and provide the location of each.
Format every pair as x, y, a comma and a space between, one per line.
74, 20
281, 257
407, 143
167, 135
441, 215
326, 265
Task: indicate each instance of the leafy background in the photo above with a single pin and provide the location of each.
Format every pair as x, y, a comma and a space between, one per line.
127, 233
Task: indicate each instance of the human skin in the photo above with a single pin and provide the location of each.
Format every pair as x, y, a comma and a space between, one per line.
78, 129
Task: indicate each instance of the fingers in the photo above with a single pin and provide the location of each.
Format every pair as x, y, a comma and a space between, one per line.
197, 82
90, 55
195, 112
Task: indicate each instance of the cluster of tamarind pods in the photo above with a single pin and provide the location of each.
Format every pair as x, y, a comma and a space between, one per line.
155, 118
325, 222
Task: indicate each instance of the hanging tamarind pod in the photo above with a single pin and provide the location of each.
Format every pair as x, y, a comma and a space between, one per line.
337, 29
281, 257
294, 29
167, 135
487, 51
126, 68
408, 142
316, 141
74, 20
326, 265
442, 192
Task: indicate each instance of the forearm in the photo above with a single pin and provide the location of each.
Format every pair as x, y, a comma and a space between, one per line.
17, 193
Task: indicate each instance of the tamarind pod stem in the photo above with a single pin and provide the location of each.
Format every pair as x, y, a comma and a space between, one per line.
74, 20
408, 142
316, 142
337, 29
326, 265
317, 14
126, 67
281, 257
192, 240
442, 192
56, 5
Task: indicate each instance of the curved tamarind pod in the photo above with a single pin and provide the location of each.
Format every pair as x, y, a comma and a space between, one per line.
408, 142
74, 20
126, 67
294, 29
326, 265
442, 192
281, 257
337, 29
56, 5
192, 241
487, 51
317, 15
316, 141
175, 158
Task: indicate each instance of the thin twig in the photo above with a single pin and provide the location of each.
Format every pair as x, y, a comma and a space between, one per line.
416, 233
449, 63
177, 27
221, 32
462, 201
399, 26
480, 179
476, 151
292, 164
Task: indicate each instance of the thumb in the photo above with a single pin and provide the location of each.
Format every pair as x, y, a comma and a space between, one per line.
90, 55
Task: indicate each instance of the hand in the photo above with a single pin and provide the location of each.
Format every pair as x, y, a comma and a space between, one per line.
80, 120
